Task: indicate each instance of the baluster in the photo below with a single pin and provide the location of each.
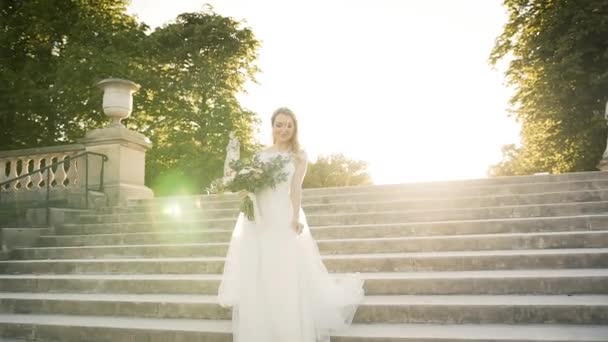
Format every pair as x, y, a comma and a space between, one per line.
60, 174
19, 183
49, 161
3, 176
72, 173
36, 177
25, 169
12, 187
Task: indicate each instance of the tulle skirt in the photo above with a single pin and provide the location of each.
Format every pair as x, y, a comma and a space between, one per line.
278, 287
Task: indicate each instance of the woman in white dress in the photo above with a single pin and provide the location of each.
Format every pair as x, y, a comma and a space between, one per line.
274, 278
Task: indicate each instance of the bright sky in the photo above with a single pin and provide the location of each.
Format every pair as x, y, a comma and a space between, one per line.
401, 84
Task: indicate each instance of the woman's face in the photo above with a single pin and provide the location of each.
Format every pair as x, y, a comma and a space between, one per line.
283, 128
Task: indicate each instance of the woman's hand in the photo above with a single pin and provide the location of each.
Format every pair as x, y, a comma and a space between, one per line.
242, 194
297, 226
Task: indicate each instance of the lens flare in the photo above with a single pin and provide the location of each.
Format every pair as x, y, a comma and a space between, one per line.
173, 210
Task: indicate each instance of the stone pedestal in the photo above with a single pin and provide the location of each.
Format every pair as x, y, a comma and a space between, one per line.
125, 169
603, 164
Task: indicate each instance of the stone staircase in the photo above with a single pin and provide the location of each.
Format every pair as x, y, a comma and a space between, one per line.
504, 259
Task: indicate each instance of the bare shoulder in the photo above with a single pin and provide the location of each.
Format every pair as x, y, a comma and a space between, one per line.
302, 155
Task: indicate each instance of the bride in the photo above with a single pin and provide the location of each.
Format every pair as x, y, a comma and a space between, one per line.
274, 278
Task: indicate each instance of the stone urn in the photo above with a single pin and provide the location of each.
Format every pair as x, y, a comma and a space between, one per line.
117, 98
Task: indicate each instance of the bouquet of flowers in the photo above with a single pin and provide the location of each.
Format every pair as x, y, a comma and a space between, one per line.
250, 175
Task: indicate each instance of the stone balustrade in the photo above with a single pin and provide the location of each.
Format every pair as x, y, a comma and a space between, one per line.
63, 178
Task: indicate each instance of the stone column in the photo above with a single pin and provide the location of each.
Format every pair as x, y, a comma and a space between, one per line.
124, 171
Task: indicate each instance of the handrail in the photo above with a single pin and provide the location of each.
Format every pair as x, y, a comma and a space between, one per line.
104, 158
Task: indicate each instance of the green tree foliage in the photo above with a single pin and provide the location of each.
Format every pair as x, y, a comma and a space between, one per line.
54, 51
51, 54
203, 61
336, 170
558, 53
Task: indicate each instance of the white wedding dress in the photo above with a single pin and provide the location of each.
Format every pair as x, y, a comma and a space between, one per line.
275, 280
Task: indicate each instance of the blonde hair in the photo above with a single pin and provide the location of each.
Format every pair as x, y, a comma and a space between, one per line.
294, 142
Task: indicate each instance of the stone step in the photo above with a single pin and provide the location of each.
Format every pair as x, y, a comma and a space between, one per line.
543, 282
437, 193
488, 186
229, 209
544, 192
194, 231
13, 238
385, 262
472, 333
186, 235
472, 183
372, 201
545, 210
198, 219
571, 239
454, 309
18, 214
73, 328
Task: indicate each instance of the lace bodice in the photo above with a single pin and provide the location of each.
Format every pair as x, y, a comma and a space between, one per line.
290, 166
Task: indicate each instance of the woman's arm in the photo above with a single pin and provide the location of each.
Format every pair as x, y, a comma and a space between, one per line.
301, 163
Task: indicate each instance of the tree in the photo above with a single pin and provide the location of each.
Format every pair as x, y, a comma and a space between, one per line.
190, 70
51, 54
202, 61
336, 170
559, 69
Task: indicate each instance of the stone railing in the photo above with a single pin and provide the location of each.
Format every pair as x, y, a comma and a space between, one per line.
62, 179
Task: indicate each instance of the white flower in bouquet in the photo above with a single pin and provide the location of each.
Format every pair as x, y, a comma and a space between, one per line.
251, 176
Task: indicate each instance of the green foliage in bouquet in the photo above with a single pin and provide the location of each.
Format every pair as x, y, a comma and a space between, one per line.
252, 176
